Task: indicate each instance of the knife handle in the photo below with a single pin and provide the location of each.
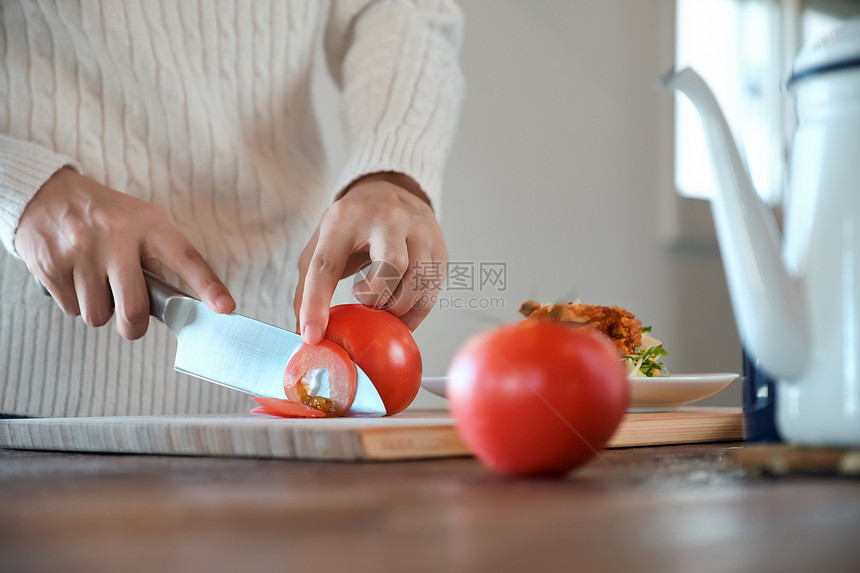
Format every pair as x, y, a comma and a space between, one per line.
159, 293
158, 290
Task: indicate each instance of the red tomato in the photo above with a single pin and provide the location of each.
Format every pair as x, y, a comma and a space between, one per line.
285, 408
383, 347
342, 377
537, 397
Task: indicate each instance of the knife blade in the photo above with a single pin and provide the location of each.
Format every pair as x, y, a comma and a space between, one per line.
237, 351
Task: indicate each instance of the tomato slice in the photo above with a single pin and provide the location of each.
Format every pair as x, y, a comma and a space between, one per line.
285, 408
303, 377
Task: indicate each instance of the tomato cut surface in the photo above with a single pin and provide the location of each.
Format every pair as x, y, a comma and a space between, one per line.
304, 377
383, 347
537, 397
285, 408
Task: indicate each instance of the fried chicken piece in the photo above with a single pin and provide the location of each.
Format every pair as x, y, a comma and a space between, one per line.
618, 324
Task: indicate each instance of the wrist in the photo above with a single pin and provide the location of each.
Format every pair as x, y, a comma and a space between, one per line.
401, 180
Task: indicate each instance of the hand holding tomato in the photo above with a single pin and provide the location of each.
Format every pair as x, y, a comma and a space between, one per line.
382, 218
537, 397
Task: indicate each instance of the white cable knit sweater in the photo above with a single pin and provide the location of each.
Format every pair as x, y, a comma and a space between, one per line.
203, 107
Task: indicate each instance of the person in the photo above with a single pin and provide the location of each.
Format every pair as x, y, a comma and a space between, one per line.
184, 138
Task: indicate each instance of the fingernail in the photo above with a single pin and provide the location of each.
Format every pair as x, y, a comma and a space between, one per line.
312, 333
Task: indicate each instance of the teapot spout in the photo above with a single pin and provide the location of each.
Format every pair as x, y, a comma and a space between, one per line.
768, 303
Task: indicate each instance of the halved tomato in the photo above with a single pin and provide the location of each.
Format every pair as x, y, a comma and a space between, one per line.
305, 372
383, 347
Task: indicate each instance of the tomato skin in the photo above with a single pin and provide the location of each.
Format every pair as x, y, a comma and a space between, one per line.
383, 347
537, 397
342, 377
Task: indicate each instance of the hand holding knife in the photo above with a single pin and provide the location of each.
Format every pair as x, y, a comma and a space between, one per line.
237, 351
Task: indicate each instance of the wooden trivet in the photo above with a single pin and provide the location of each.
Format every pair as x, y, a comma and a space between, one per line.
781, 459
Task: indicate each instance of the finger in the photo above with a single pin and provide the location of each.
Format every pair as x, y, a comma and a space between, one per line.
389, 261
415, 285
61, 287
433, 276
353, 265
174, 250
304, 262
356, 262
130, 298
325, 268
93, 293
153, 266
416, 315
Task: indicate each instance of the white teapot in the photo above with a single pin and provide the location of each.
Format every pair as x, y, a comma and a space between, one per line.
796, 297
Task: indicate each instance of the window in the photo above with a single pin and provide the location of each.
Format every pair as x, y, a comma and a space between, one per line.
744, 50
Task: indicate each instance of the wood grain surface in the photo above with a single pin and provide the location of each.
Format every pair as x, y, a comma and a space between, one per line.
650, 509
414, 435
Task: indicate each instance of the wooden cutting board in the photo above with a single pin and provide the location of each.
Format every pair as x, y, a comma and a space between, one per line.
412, 435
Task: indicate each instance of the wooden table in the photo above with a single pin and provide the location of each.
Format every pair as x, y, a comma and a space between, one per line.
671, 508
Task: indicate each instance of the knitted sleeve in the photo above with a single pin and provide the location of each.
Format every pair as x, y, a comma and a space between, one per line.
396, 64
24, 168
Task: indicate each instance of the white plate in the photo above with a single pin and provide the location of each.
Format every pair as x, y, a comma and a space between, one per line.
671, 392
647, 394
434, 384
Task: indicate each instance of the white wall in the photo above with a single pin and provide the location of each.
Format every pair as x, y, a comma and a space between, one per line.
562, 170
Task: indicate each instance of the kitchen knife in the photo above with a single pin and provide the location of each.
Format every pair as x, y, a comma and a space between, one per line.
237, 351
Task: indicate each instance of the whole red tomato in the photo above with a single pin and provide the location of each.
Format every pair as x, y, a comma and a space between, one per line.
537, 397
383, 347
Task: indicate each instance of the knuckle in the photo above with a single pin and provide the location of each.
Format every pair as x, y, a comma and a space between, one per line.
79, 239
338, 211
96, 316
50, 273
131, 331
192, 255
151, 212
209, 282
135, 312
106, 223
399, 260
70, 308
68, 304
307, 254
323, 264
391, 265
195, 263
389, 211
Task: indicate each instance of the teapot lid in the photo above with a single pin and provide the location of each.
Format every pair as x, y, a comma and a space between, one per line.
838, 50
